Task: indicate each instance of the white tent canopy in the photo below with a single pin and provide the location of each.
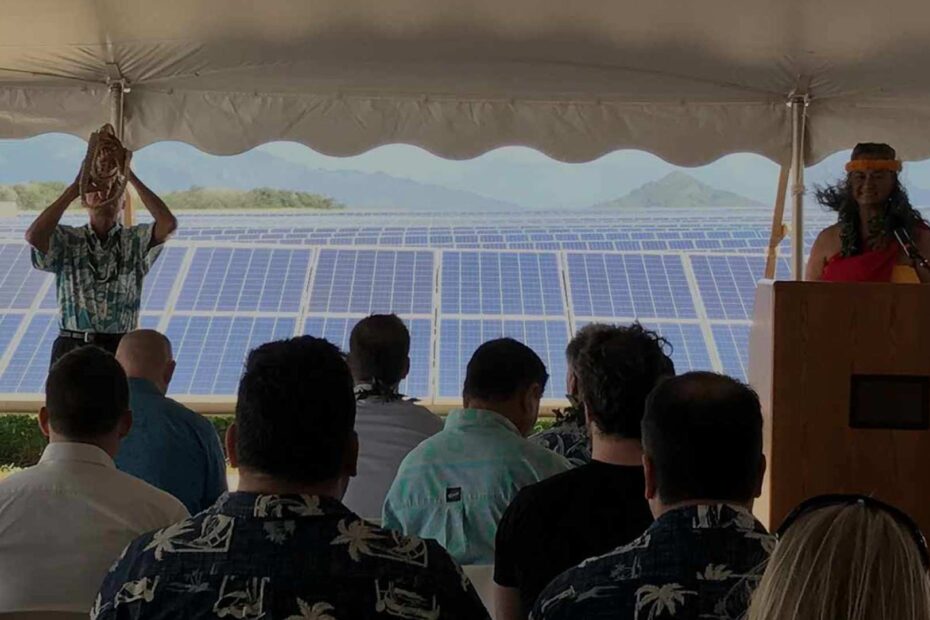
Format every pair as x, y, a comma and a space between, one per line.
688, 81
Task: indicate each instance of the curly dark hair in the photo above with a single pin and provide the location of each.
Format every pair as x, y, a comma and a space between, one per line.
574, 413
899, 213
616, 371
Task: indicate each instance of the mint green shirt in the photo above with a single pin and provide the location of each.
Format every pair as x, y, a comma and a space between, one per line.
455, 486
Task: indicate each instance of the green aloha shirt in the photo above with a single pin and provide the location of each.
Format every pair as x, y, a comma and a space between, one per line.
455, 486
99, 283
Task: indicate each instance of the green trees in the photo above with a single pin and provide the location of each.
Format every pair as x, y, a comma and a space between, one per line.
38, 195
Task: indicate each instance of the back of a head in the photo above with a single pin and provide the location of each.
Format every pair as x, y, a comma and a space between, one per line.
617, 369
501, 369
577, 344
703, 433
850, 562
86, 394
144, 353
379, 347
296, 410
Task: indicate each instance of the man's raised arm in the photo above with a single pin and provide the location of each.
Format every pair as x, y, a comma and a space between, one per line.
40, 232
165, 222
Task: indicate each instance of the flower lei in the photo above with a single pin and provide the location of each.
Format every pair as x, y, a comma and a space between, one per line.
573, 414
381, 391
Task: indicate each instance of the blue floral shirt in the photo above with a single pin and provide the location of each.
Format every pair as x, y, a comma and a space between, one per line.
282, 557
695, 562
99, 283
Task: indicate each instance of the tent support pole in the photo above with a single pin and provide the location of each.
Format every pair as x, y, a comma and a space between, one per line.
118, 91
798, 105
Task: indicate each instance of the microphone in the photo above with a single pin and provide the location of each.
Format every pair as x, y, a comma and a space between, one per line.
910, 248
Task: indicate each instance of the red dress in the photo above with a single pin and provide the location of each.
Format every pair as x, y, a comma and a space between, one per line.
871, 266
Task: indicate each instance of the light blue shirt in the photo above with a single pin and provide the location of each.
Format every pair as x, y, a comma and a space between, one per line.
172, 448
455, 486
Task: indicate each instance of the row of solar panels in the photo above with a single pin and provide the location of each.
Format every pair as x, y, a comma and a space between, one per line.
210, 350
405, 281
230, 299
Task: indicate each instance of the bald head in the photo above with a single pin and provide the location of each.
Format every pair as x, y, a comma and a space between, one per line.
146, 354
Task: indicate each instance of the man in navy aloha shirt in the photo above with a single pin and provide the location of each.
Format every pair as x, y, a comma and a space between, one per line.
705, 553
284, 546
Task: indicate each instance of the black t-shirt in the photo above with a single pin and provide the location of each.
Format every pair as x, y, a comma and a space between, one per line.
556, 524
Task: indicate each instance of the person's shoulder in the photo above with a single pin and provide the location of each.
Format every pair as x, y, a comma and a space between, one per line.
428, 451
830, 237
602, 581
403, 552
423, 412
196, 422
556, 486
21, 482
544, 456
536, 501
148, 499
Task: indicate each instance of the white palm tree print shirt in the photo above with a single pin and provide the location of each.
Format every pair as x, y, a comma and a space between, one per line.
291, 557
695, 562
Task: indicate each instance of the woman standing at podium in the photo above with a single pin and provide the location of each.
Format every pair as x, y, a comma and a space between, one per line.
875, 223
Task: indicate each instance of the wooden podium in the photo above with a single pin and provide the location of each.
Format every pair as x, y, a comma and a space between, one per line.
843, 372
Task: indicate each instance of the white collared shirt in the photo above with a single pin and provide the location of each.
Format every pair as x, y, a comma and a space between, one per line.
387, 432
65, 521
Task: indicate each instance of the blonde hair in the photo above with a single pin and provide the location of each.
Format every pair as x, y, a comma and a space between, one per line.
845, 562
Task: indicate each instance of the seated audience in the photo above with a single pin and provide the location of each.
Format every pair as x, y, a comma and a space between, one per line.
388, 425
169, 446
64, 521
455, 486
284, 546
553, 525
569, 435
845, 557
703, 555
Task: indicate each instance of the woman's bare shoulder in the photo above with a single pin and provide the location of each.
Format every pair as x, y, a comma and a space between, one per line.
829, 239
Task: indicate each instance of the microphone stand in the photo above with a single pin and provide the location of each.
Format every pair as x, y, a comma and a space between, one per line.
910, 248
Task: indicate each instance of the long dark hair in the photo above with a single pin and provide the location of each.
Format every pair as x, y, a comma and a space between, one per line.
898, 213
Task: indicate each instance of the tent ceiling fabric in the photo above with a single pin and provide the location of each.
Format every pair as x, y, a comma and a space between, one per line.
687, 81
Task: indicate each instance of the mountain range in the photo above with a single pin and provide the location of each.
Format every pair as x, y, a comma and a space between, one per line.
172, 166
678, 189
406, 178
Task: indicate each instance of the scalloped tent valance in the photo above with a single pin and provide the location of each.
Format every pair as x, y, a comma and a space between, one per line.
688, 81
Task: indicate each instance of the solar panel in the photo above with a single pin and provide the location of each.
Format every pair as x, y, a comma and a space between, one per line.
417, 384
689, 348
19, 282
495, 283
629, 285
459, 338
372, 281
28, 366
733, 347
157, 285
9, 323
211, 351
243, 279
728, 283
149, 321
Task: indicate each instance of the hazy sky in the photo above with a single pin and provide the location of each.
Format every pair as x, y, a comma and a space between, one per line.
526, 176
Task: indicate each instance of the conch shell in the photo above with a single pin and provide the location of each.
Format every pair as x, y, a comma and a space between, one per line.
105, 169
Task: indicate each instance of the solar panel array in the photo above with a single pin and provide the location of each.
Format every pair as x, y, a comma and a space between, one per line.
219, 290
